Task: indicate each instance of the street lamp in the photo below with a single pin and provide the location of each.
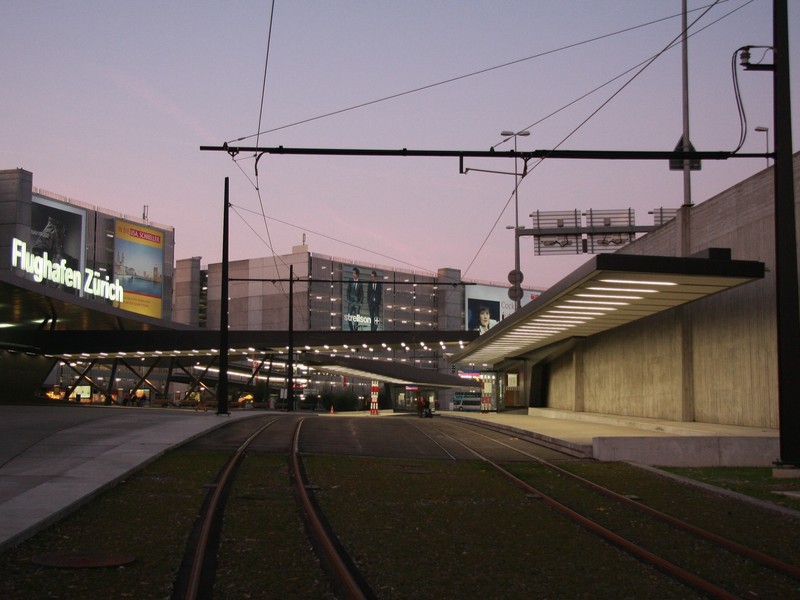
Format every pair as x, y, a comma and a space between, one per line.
517, 274
763, 129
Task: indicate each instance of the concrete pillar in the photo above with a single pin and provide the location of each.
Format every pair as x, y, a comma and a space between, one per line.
686, 359
577, 369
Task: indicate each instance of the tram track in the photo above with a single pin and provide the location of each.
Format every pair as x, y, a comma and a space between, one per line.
733, 546
308, 506
348, 582
700, 583
197, 569
344, 575
197, 580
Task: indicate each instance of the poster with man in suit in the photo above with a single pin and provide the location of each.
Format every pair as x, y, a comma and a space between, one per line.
375, 301
355, 298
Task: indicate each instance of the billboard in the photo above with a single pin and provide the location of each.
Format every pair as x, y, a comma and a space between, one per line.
362, 299
488, 305
54, 254
58, 237
139, 266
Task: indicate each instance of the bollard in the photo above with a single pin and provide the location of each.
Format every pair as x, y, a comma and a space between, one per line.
373, 405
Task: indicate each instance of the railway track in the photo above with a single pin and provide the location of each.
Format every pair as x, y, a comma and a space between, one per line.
699, 582
195, 581
538, 473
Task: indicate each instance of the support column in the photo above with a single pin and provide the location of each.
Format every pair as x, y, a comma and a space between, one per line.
684, 326
577, 367
686, 364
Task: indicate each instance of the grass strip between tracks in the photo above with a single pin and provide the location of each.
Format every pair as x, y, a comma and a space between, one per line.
148, 516
421, 529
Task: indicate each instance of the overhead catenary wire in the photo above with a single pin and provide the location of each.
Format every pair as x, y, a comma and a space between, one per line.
461, 77
260, 117
622, 74
737, 92
326, 236
454, 79
642, 66
266, 65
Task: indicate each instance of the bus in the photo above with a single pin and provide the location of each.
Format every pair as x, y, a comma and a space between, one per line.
467, 401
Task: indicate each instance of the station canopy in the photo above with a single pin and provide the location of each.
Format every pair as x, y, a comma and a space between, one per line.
608, 291
63, 326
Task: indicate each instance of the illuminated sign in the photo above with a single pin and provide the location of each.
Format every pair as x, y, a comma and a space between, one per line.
42, 268
124, 268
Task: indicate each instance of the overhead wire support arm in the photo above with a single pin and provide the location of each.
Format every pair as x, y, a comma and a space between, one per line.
462, 154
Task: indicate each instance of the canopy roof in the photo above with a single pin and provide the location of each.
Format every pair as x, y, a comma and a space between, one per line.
608, 291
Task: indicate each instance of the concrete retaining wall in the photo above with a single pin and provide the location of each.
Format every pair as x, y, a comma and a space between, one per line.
688, 451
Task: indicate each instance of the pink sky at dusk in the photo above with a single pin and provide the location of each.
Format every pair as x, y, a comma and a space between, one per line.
109, 103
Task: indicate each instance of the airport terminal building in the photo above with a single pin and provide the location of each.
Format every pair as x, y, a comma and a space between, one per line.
85, 252
88, 295
68, 266
692, 337
371, 315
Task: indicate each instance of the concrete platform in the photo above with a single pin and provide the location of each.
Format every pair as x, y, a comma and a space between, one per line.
647, 441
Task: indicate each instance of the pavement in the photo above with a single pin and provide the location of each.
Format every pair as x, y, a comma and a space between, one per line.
55, 458
646, 441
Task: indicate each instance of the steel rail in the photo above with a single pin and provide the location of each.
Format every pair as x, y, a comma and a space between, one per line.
430, 437
669, 568
350, 586
210, 517
728, 544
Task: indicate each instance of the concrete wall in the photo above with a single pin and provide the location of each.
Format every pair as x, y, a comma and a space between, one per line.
15, 210
634, 370
186, 297
713, 360
561, 383
260, 305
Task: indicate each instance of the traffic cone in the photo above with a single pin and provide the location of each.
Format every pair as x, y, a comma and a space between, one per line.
332, 411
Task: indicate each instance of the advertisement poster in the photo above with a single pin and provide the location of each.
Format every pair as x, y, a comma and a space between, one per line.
487, 305
57, 234
362, 299
138, 265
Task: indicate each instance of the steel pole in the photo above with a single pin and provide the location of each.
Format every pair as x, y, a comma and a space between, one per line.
222, 379
687, 171
787, 312
517, 302
290, 361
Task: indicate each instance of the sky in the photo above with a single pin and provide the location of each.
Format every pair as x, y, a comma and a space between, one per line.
109, 102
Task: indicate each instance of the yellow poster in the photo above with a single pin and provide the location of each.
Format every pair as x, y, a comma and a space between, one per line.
139, 267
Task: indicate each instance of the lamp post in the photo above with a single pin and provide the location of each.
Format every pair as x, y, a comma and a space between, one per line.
516, 280
765, 130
